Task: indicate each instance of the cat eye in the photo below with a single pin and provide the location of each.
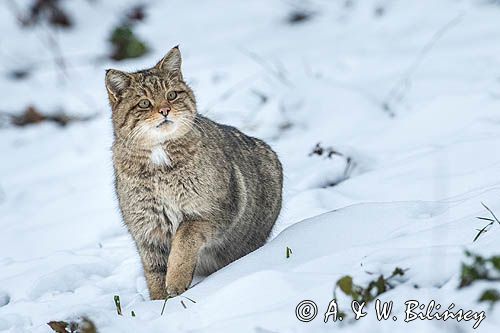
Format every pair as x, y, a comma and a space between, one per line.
171, 95
144, 103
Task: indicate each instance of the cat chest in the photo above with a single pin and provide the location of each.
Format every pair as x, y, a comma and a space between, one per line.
154, 218
170, 202
168, 210
155, 204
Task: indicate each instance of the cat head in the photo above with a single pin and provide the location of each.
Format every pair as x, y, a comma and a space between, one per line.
151, 106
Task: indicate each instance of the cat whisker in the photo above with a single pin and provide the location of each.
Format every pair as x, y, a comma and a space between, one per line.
193, 123
136, 132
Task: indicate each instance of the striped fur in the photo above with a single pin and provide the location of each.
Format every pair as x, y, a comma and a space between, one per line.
214, 199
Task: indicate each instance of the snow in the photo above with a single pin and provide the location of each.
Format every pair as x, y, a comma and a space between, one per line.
410, 200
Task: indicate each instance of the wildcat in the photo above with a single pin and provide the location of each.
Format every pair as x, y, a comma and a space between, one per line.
195, 195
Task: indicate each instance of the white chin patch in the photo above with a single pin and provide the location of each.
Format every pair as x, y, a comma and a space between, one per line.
159, 156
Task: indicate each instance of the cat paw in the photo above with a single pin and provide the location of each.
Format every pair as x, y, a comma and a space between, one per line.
175, 289
176, 284
158, 294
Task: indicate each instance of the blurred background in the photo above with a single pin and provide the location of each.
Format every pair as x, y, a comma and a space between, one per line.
388, 111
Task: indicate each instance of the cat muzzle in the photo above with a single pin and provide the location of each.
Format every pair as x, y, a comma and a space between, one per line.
164, 122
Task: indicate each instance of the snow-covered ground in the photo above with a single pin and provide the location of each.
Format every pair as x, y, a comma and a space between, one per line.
409, 91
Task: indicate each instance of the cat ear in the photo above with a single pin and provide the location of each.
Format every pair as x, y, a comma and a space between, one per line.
116, 83
171, 62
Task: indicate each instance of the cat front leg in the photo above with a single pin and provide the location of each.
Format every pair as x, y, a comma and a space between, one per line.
154, 262
186, 244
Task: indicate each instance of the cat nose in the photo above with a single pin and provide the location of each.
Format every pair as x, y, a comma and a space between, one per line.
164, 111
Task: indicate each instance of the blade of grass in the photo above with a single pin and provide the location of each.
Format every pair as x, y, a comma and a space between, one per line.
118, 305
481, 231
485, 218
163, 308
189, 299
491, 212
